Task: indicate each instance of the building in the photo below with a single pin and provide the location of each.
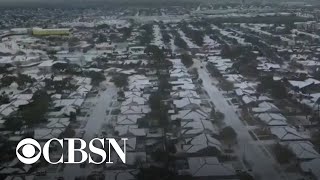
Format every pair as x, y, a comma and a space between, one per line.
48, 32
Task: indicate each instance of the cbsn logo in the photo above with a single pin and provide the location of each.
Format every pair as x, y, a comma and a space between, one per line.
29, 155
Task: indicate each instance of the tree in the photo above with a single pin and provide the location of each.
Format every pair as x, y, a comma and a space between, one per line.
178, 41
73, 41
24, 79
7, 80
186, 59
213, 70
103, 26
226, 85
155, 101
13, 123
155, 52
163, 84
165, 37
279, 90
283, 153
228, 134
120, 80
35, 111
4, 98
60, 67
96, 77
126, 32
195, 73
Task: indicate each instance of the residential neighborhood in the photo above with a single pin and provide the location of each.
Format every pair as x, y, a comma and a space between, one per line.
205, 90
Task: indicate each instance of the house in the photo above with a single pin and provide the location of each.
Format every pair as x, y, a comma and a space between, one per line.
193, 128
128, 119
203, 144
123, 174
184, 94
287, 133
272, 119
191, 115
126, 110
303, 150
312, 168
131, 144
303, 85
44, 134
46, 66
68, 102
208, 168
136, 50
265, 107
187, 103
130, 131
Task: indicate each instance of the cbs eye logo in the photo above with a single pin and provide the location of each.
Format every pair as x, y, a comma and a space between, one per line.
28, 152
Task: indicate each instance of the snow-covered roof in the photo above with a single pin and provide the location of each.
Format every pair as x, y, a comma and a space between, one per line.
193, 114
200, 142
209, 167
265, 107
130, 130
305, 83
134, 101
128, 119
197, 127
272, 119
304, 150
288, 134
130, 144
312, 166
46, 134
181, 103
185, 94
58, 123
125, 110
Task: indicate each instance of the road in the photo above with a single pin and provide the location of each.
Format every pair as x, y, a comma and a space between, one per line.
262, 165
97, 118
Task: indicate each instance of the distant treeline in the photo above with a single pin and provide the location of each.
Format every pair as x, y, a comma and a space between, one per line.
96, 3
258, 19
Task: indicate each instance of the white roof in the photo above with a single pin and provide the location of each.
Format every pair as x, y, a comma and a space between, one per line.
128, 119
197, 127
58, 123
288, 134
201, 142
302, 84
304, 150
46, 134
193, 114
130, 130
209, 167
134, 101
186, 93
312, 166
272, 119
265, 107
68, 102
125, 110
181, 103
130, 144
